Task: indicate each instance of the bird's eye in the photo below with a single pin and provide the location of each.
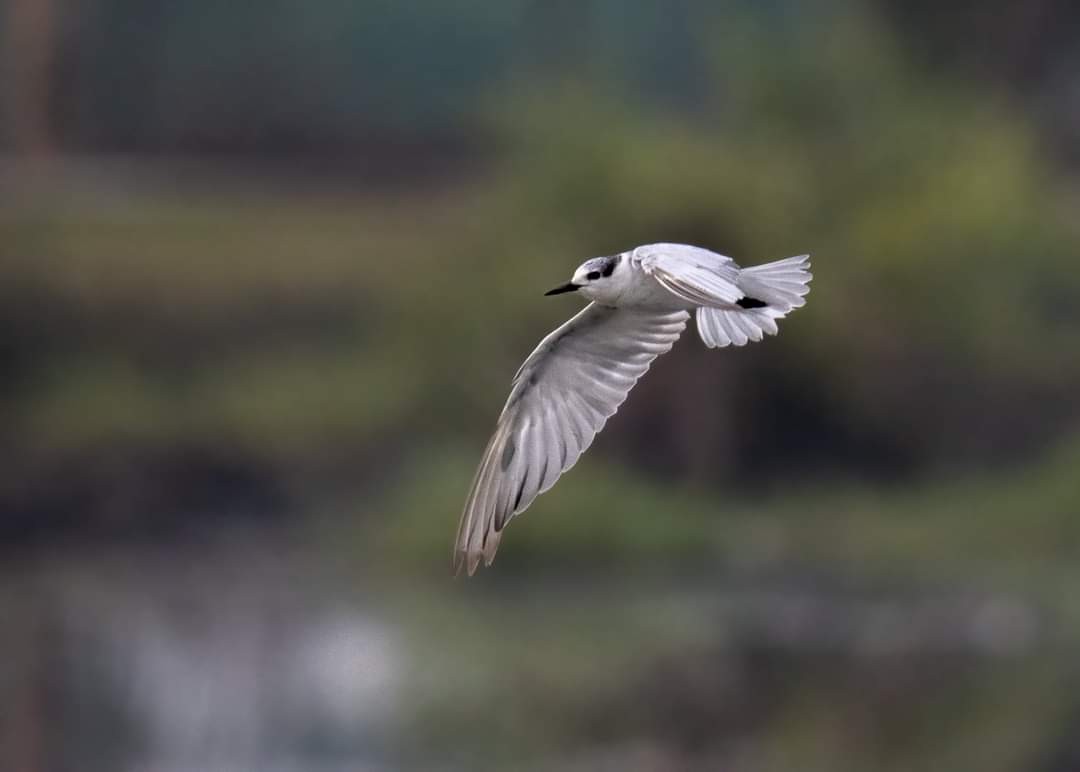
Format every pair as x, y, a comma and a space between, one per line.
592, 275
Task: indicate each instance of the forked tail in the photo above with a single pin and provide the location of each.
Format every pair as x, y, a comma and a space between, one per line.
772, 291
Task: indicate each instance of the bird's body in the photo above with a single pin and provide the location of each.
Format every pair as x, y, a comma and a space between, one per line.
578, 376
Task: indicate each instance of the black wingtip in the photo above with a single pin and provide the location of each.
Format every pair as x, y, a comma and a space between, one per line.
749, 302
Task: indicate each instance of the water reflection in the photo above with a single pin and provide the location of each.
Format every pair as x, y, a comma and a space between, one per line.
194, 664
207, 668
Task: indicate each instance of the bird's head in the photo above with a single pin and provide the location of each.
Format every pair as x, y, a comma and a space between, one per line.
595, 278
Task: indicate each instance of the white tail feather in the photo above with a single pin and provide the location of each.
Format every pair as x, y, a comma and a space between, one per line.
781, 285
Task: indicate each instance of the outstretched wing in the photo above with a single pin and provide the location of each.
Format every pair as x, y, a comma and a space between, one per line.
561, 397
694, 274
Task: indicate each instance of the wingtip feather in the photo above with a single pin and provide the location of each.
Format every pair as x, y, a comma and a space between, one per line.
601, 355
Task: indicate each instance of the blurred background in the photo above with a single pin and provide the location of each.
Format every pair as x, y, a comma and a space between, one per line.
266, 270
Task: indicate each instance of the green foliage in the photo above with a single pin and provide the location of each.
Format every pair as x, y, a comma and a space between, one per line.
911, 432
933, 337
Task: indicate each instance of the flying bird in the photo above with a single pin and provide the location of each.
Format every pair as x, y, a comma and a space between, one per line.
564, 392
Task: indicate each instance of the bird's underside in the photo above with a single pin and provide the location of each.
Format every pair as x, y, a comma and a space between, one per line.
580, 374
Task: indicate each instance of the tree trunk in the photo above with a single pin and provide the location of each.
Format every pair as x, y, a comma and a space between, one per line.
30, 31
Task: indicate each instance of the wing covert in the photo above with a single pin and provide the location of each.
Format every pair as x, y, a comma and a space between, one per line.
696, 275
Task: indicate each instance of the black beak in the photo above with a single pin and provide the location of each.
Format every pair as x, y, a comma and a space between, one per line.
568, 287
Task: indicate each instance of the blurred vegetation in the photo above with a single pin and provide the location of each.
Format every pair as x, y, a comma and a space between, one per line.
285, 322
316, 330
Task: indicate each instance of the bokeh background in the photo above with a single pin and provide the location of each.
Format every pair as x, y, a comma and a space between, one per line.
266, 270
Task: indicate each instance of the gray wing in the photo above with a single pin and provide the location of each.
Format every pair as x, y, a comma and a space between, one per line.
561, 397
694, 274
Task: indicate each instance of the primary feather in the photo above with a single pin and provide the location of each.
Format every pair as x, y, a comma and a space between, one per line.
561, 397
578, 376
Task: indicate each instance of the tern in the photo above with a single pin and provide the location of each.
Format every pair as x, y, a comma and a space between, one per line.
575, 380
